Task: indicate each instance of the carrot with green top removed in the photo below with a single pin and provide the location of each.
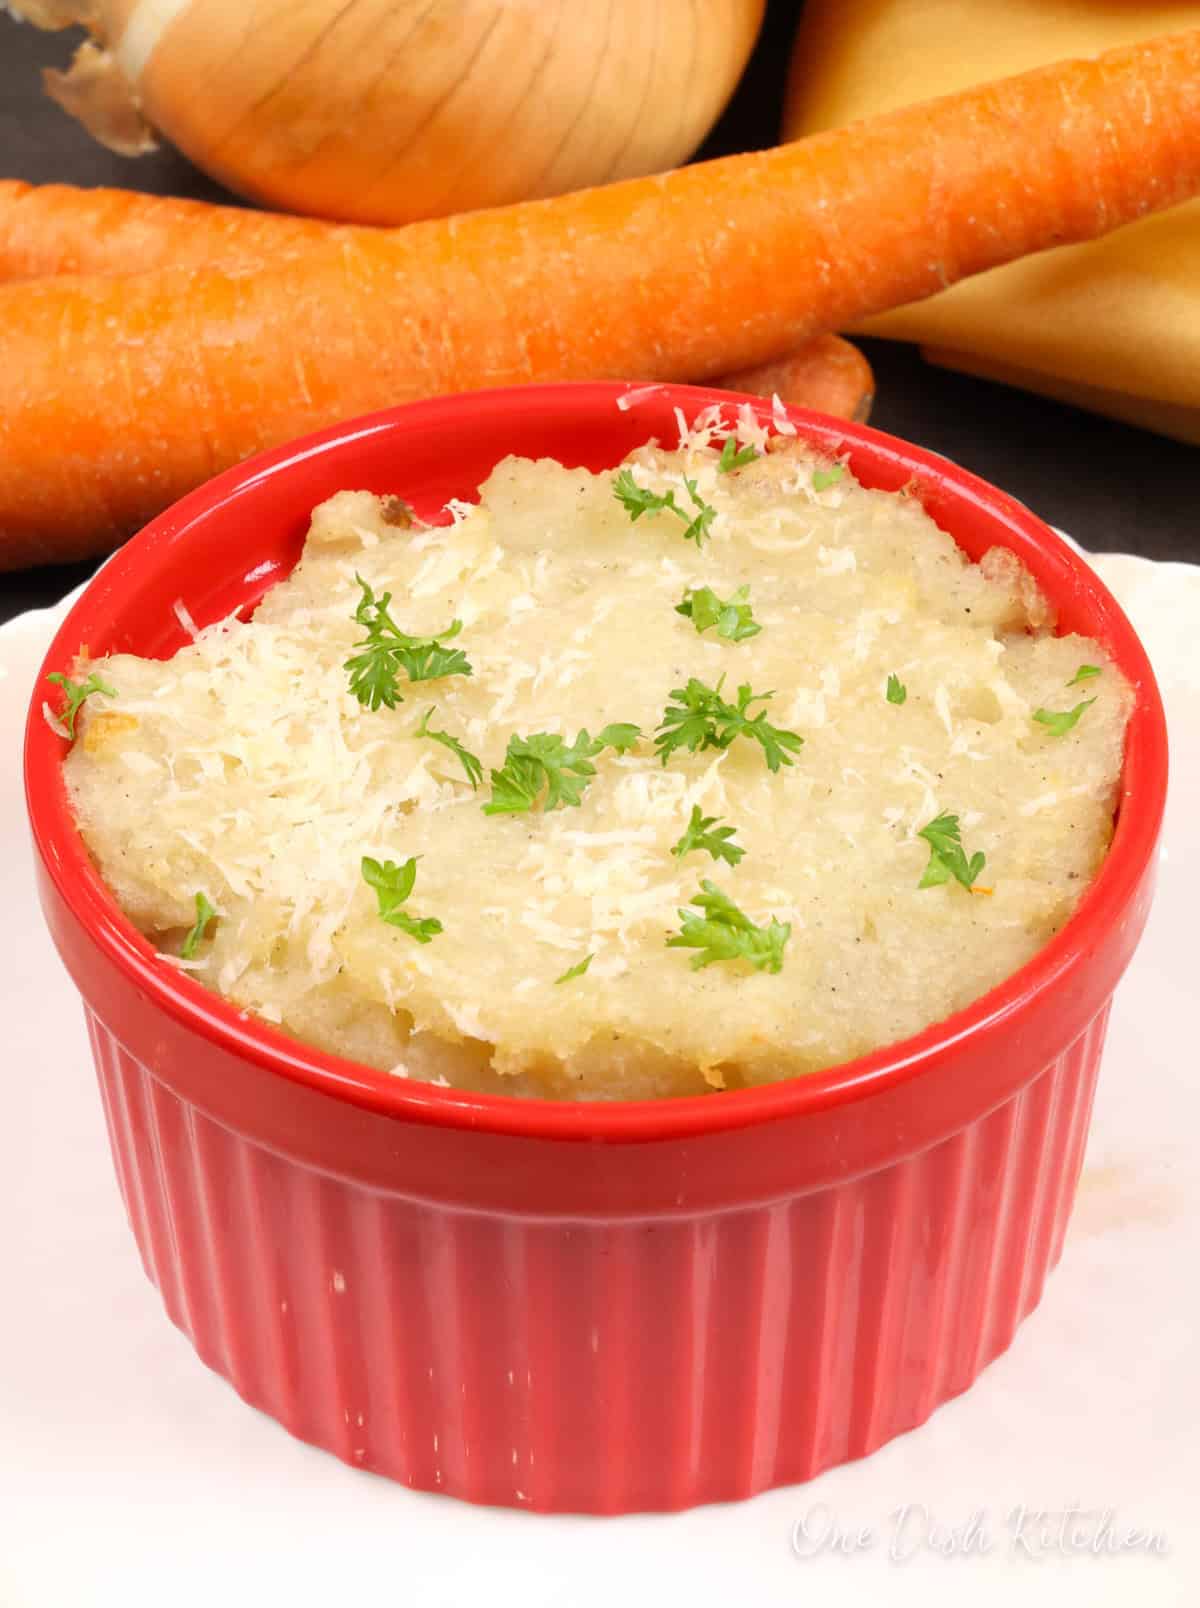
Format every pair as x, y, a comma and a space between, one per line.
53, 229
48, 229
827, 374
117, 395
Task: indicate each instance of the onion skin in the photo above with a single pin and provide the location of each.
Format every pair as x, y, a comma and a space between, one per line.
95, 92
387, 111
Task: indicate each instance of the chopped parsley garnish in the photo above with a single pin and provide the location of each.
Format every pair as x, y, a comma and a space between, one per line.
619, 735
77, 692
946, 856
704, 833
734, 458
638, 501
472, 767
1059, 722
204, 914
575, 971
897, 692
545, 760
1086, 672
733, 618
723, 932
393, 883
824, 478
698, 717
386, 650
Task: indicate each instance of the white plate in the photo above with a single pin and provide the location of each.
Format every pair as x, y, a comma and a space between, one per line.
130, 1474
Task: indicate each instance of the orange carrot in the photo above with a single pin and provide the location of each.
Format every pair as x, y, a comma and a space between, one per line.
53, 229
58, 229
117, 395
828, 375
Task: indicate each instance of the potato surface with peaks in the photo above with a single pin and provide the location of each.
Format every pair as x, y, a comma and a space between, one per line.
906, 686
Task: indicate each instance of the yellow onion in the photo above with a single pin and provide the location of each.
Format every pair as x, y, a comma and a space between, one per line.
382, 111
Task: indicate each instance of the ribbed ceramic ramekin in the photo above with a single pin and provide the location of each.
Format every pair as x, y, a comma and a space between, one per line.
588, 1307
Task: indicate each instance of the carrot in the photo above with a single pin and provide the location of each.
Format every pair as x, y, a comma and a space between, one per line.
58, 229
117, 395
828, 375
53, 229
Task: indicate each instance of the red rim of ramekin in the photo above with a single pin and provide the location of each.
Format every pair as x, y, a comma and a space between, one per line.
1055, 966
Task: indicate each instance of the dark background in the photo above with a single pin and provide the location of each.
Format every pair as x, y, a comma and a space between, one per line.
1114, 488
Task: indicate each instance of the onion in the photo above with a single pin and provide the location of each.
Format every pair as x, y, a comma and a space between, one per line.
382, 111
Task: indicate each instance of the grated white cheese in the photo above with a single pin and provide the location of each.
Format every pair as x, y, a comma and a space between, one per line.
244, 768
630, 399
183, 615
779, 417
837, 560
57, 726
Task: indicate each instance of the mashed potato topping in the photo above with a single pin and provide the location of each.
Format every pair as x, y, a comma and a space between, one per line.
243, 769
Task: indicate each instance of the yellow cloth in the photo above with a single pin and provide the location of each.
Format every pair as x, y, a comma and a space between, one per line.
1113, 325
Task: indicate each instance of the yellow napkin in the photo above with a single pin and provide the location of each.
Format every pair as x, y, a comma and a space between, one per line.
1113, 325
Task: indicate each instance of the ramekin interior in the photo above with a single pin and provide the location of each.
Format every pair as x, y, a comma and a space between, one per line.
123, 610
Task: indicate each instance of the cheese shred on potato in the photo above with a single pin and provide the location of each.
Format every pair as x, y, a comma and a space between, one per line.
243, 769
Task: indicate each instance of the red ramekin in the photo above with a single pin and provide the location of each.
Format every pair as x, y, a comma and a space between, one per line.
583, 1307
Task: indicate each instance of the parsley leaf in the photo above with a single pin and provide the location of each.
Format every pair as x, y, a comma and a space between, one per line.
621, 735
387, 650
1059, 722
428, 660
698, 718
946, 856
76, 692
1084, 673
516, 786
732, 458
698, 529
575, 971
204, 914
723, 932
897, 692
824, 478
638, 501
393, 883
545, 760
733, 618
704, 833
472, 767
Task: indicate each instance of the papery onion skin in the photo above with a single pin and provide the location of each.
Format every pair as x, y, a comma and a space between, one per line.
386, 111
